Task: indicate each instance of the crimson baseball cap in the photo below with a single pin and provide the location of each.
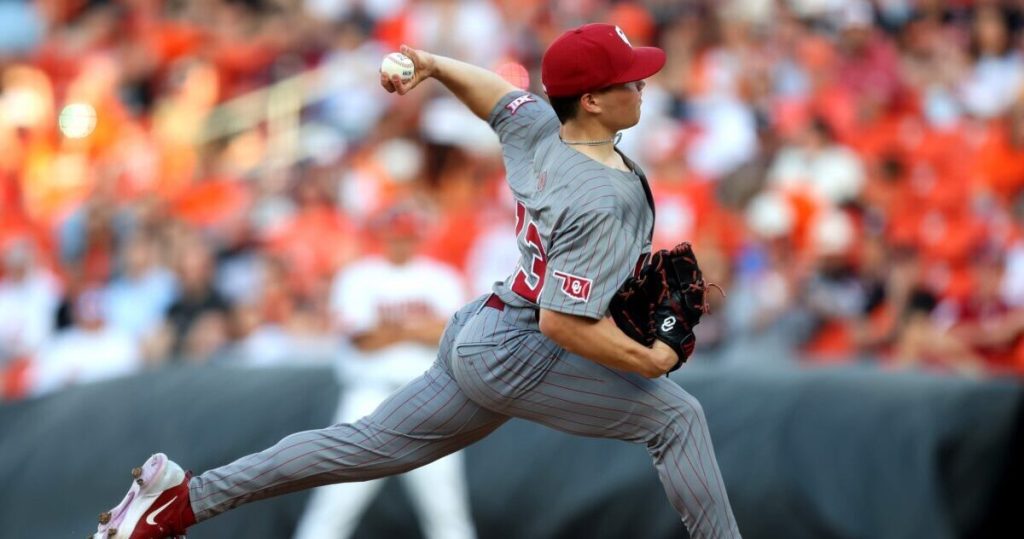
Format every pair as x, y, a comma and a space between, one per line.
595, 56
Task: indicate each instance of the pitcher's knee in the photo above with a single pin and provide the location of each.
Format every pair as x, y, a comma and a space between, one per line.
679, 415
688, 407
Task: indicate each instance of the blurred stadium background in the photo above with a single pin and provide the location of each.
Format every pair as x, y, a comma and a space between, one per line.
181, 181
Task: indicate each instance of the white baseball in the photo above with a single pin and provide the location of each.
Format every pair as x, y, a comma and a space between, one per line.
399, 64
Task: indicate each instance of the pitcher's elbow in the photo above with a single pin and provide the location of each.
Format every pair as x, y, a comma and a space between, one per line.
550, 325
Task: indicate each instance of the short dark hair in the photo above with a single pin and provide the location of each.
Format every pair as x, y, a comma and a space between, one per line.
566, 108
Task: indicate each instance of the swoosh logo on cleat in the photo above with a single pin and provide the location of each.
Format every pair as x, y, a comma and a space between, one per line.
149, 519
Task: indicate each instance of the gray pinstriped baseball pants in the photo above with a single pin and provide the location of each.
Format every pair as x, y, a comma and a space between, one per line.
493, 364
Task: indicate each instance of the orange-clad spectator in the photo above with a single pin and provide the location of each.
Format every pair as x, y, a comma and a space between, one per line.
983, 321
680, 198
882, 137
380, 175
950, 236
212, 202
451, 238
952, 221
458, 191
55, 182
1000, 162
221, 198
683, 206
394, 30
888, 192
687, 208
178, 119
130, 164
635, 21
90, 31
817, 164
317, 239
976, 334
787, 218
165, 39
943, 169
16, 227
97, 84
835, 294
10, 198
49, 179
403, 227
242, 48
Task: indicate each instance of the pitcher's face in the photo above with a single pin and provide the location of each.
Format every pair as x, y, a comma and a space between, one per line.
620, 104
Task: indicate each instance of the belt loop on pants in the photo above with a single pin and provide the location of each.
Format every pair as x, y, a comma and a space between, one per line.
496, 303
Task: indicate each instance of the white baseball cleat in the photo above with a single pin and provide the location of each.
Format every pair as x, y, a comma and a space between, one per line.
156, 506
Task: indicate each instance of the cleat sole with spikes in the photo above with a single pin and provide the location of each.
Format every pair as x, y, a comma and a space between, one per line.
148, 481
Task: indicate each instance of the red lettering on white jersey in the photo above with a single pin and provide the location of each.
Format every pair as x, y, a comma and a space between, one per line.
396, 312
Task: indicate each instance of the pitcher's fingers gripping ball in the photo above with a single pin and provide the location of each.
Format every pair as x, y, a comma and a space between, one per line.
398, 64
402, 71
398, 72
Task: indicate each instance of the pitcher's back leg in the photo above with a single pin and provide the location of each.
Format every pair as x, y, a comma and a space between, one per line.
579, 396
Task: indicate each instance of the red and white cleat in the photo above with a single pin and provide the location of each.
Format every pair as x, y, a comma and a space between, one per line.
156, 507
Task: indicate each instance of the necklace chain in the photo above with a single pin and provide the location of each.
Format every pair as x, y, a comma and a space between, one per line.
614, 141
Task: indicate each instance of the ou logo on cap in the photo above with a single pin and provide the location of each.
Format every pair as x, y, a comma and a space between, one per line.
622, 35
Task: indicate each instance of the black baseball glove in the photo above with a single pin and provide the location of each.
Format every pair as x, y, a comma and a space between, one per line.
664, 302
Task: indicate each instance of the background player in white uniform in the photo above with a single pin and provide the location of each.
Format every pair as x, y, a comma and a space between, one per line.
548, 354
393, 308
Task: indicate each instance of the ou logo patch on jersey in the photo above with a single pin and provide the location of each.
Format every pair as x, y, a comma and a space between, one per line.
622, 35
668, 324
577, 288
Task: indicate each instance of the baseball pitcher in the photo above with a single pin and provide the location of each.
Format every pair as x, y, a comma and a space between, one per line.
577, 338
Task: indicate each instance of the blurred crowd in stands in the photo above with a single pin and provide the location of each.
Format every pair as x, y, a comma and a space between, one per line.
850, 171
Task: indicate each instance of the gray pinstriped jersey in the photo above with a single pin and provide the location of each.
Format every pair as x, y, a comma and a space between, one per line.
582, 227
